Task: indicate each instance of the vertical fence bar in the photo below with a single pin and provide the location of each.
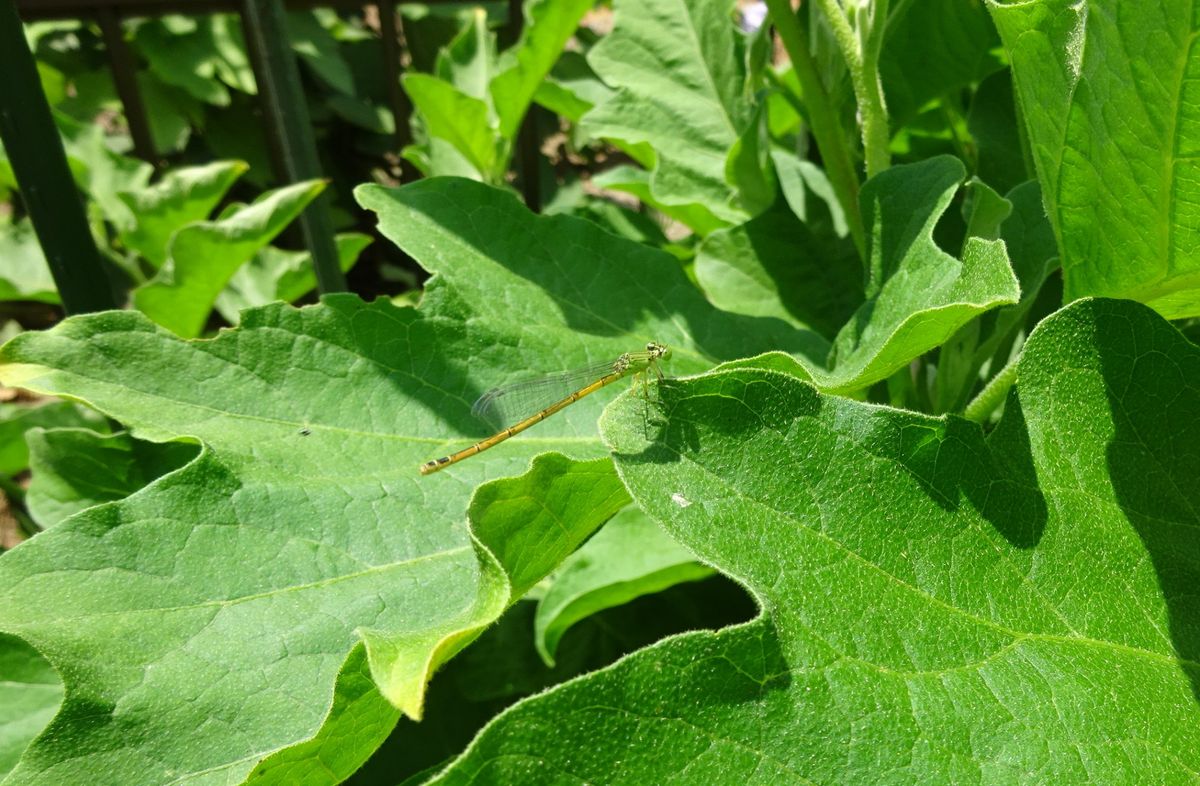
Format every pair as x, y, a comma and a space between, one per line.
120, 60
389, 31
290, 128
39, 162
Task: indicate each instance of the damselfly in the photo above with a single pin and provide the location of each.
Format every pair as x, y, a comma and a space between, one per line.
527, 403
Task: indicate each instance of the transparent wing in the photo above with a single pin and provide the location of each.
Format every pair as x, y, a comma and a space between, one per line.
508, 404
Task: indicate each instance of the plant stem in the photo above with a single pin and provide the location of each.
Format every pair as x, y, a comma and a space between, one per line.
822, 118
992, 394
877, 138
862, 60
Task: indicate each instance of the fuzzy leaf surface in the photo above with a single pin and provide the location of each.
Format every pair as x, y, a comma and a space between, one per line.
303, 530
937, 605
1115, 137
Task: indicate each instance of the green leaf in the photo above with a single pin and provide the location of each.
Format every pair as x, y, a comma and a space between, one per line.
203, 257
232, 62
319, 51
619, 293
1108, 94
799, 178
992, 122
632, 180
183, 196
917, 295
101, 173
30, 693
932, 48
247, 577
185, 60
274, 274
24, 274
937, 606
358, 722
572, 87
680, 80
630, 557
521, 520
76, 468
16, 419
457, 118
748, 167
548, 26
469, 61
775, 265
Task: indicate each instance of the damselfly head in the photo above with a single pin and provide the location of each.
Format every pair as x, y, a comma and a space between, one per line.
658, 351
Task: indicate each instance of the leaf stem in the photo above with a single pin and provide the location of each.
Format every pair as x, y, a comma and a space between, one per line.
822, 117
861, 53
982, 407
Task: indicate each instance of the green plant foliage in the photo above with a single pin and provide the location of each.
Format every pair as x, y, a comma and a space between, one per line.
181, 197
76, 468
203, 256
274, 274
30, 693
914, 72
326, 515
790, 560
476, 101
183, 52
1114, 135
926, 612
522, 68
630, 557
18, 418
679, 80
312, 482
455, 117
24, 274
318, 50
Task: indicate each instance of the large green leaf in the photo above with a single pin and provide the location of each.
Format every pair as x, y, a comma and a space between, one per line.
247, 578
617, 293
203, 257
1108, 90
680, 79
548, 25
182, 197
938, 606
